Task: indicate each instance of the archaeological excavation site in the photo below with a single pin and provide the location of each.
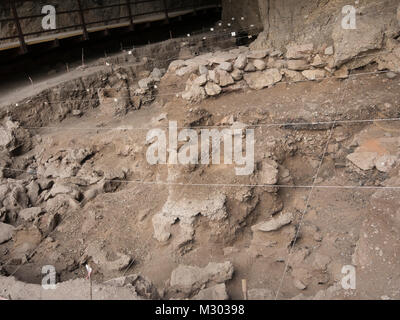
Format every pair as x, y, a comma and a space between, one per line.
177, 150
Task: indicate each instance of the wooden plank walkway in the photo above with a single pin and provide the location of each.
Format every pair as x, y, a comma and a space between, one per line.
70, 34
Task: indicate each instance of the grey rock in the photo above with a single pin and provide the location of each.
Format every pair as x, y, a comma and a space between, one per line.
269, 173
185, 70
175, 65
6, 232
363, 160
314, 74
329, 51
385, 163
203, 70
30, 214
257, 54
241, 62
259, 64
274, 223
212, 89
145, 83
350, 43
200, 81
213, 76
157, 74
189, 278
299, 51
259, 80
227, 66
250, 67
217, 292
297, 65
237, 74
195, 94
33, 190
294, 76
225, 79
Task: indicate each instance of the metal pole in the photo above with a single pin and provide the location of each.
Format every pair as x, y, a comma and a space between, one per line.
85, 33
20, 34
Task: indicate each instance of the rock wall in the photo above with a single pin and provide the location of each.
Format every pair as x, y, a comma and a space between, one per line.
317, 21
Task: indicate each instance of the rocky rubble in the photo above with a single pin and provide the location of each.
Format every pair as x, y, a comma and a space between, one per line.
43, 183
77, 289
260, 67
185, 211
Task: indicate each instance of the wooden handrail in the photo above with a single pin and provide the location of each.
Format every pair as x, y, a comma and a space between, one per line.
84, 24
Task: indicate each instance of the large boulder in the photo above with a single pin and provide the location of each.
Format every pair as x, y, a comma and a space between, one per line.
350, 43
189, 278
185, 210
225, 79
212, 89
241, 62
260, 80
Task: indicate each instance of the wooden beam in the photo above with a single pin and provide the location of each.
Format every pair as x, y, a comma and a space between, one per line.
166, 10
21, 37
84, 28
131, 26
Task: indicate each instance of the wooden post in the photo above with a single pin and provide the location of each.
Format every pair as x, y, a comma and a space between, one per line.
166, 10
128, 4
20, 34
85, 33
244, 289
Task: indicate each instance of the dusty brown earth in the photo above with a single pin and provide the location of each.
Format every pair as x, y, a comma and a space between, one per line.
101, 208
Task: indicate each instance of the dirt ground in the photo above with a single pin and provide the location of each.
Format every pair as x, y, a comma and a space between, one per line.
329, 219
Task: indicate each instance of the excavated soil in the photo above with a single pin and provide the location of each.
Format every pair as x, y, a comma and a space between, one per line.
331, 220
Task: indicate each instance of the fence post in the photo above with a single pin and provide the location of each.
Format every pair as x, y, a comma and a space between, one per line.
128, 4
20, 34
85, 33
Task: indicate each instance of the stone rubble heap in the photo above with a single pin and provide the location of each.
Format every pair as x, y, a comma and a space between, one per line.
210, 74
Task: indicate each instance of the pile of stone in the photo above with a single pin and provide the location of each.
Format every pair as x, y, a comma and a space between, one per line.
213, 73
119, 95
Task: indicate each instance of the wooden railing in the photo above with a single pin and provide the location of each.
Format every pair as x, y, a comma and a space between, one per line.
81, 8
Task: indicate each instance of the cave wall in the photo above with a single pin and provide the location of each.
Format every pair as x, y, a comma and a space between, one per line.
248, 9
302, 21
